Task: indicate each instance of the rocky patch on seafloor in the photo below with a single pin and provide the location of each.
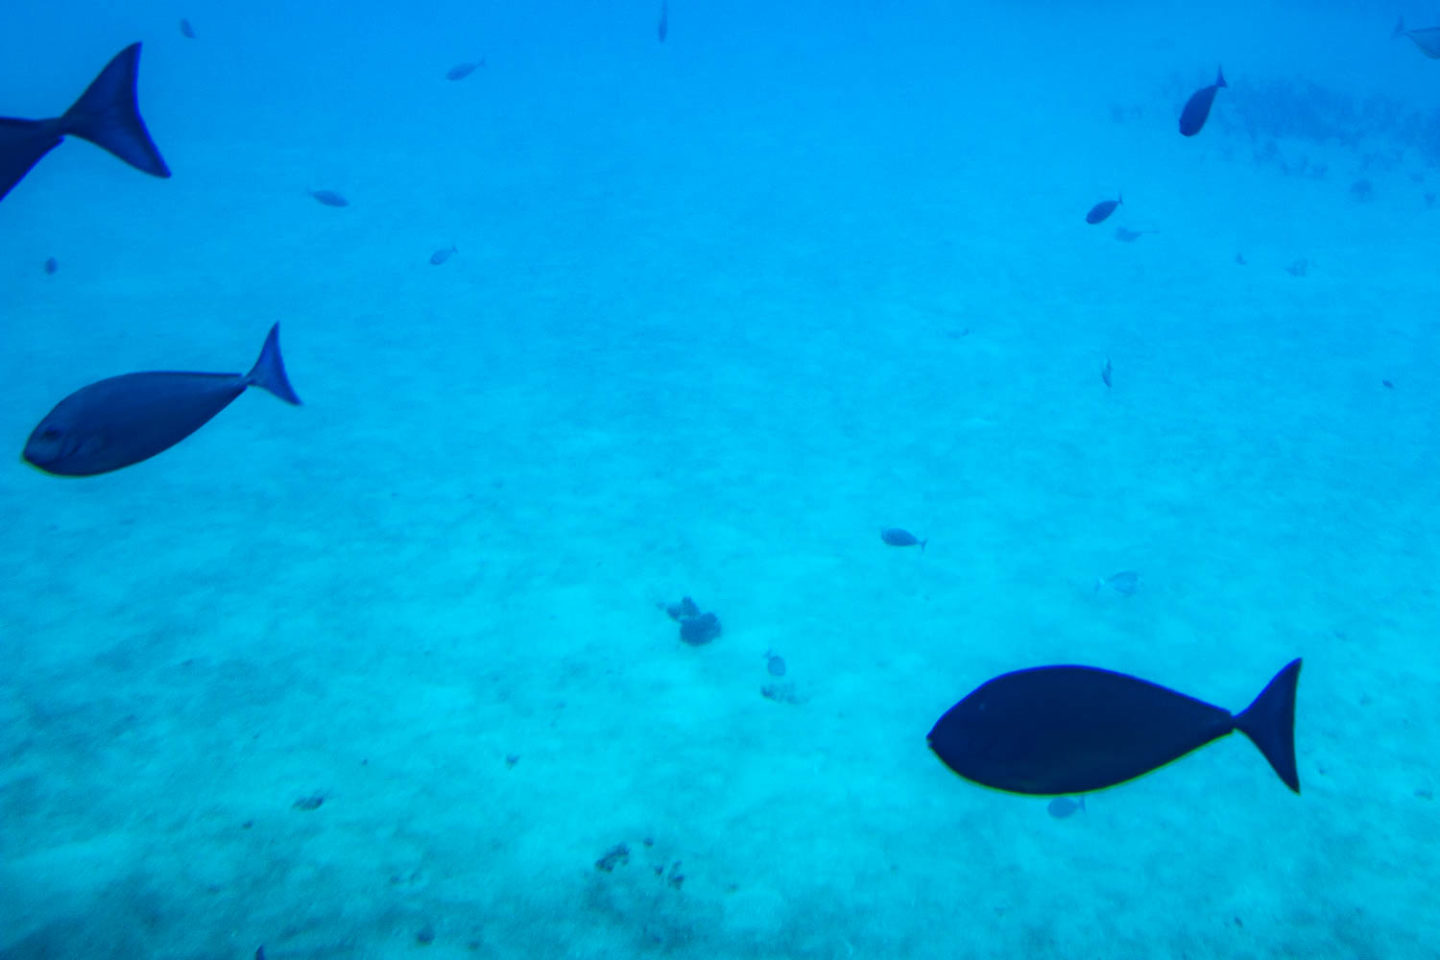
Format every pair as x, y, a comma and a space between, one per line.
696, 628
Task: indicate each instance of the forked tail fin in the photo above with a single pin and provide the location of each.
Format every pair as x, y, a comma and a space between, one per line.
269, 371
1269, 722
108, 115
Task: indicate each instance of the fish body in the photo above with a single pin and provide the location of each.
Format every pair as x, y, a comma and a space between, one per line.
186, 31
896, 537
663, 28
1102, 210
107, 114
1427, 39
1052, 731
1126, 235
1105, 372
440, 256
329, 198
1126, 582
51, 265
462, 70
123, 420
1197, 108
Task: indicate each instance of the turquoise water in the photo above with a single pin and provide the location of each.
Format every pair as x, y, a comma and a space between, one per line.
721, 308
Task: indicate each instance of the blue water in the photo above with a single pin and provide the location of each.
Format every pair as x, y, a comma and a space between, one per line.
721, 309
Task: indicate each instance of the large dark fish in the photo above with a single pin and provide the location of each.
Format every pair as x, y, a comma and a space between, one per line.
1197, 108
1426, 38
1052, 731
123, 420
106, 114
1102, 210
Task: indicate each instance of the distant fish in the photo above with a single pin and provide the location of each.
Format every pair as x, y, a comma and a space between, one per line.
774, 664
1126, 235
107, 114
664, 28
329, 197
1062, 808
1053, 731
186, 31
1102, 210
51, 265
1105, 372
1197, 108
1426, 38
896, 537
440, 256
1125, 583
123, 420
462, 70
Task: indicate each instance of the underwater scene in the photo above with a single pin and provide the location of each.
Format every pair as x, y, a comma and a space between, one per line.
683, 479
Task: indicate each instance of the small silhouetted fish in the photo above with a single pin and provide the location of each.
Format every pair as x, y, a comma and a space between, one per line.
123, 420
1105, 372
329, 197
1051, 731
1387, 384
1427, 39
663, 30
774, 664
1125, 583
1197, 108
186, 31
462, 70
1102, 210
1062, 807
896, 537
1126, 235
51, 265
440, 256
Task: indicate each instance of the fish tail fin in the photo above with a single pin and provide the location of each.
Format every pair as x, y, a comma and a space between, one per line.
269, 371
1399, 30
1220, 78
108, 115
1269, 722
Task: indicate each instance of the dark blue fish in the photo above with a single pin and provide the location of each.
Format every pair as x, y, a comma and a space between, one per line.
1427, 39
664, 28
51, 265
186, 31
1125, 583
1051, 731
126, 419
106, 114
896, 537
440, 256
1063, 807
1102, 210
1197, 108
329, 198
462, 70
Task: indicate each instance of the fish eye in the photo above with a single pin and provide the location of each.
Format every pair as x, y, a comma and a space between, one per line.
50, 433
